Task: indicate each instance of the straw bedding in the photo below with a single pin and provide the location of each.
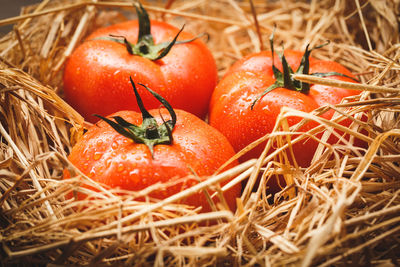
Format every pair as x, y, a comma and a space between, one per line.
342, 210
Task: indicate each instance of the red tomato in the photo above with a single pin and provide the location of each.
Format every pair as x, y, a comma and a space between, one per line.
96, 75
113, 159
230, 107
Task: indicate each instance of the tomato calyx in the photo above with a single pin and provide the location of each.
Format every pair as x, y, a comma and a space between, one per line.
285, 79
149, 132
145, 46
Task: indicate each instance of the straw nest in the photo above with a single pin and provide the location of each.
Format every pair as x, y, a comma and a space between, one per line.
342, 210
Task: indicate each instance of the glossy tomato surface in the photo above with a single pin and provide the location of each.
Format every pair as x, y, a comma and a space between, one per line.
114, 160
230, 107
96, 75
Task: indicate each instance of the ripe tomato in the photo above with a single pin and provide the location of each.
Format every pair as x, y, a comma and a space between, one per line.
96, 75
243, 110
165, 153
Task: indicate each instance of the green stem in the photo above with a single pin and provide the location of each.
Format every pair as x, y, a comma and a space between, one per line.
285, 80
145, 46
149, 132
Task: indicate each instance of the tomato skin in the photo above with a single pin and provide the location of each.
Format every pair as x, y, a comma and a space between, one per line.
96, 75
114, 160
247, 79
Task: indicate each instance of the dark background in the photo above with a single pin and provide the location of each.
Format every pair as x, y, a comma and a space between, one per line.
11, 8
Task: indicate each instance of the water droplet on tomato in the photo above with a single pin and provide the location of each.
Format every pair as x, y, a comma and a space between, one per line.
120, 167
266, 108
97, 155
193, 143
114, 145
249, 99
135, 172
123, 157
108, 163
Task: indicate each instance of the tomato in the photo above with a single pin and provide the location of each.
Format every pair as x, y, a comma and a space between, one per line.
243, 110
96, 75
160, 152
